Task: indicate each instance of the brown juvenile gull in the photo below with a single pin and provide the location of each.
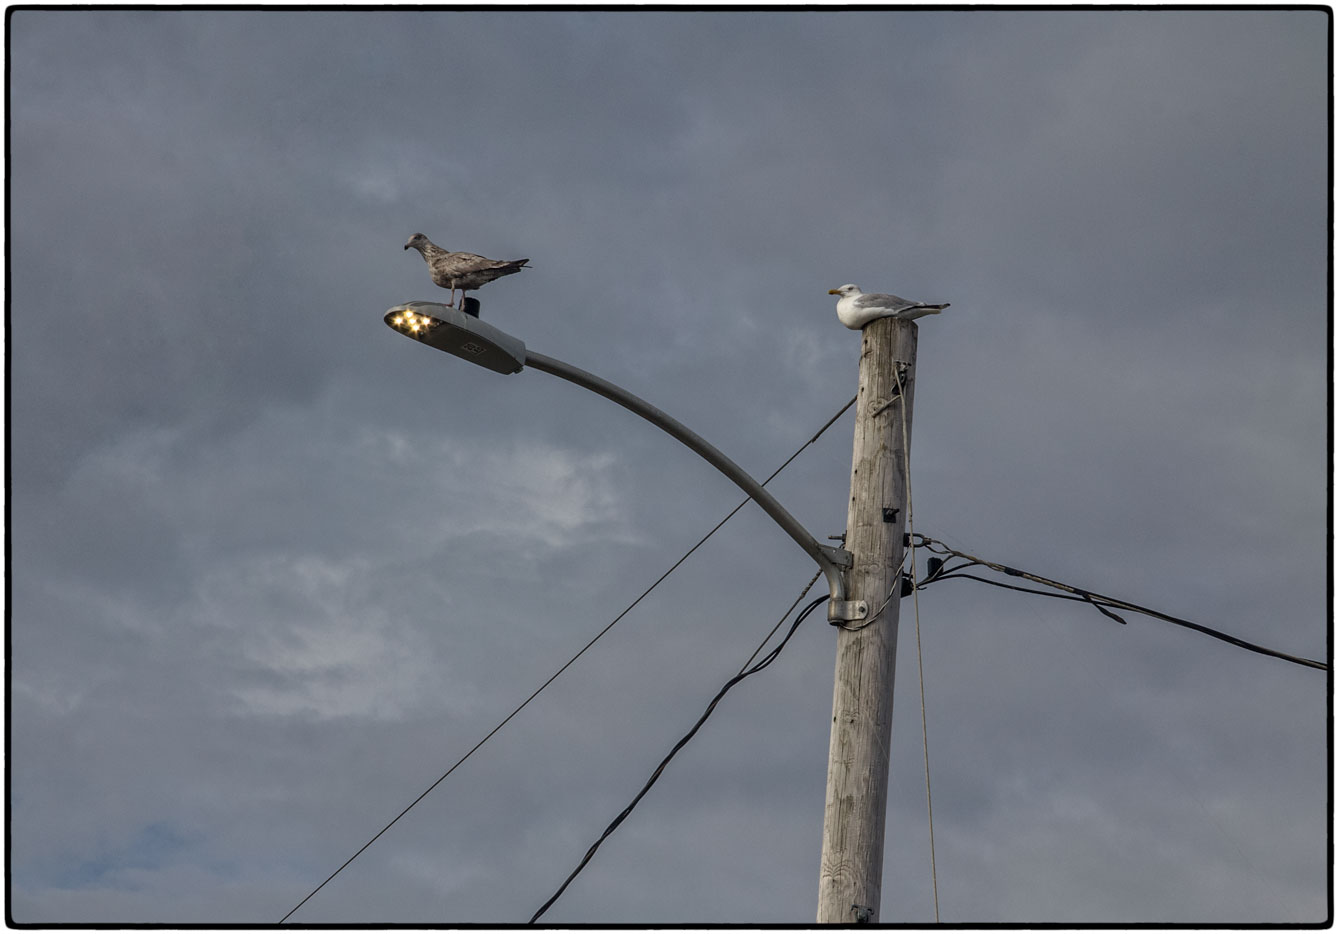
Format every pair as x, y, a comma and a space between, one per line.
461, 270
855, 309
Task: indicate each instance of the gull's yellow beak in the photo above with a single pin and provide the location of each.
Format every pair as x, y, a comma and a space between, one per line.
833, 291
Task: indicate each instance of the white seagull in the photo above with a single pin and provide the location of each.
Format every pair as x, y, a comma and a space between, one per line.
855, 309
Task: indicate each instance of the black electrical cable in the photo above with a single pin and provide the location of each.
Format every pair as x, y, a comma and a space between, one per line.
659, 769
985, 580
523, 704
1100, 601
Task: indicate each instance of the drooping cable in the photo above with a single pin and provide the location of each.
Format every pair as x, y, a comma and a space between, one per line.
1099, 601
599, 635
744, 672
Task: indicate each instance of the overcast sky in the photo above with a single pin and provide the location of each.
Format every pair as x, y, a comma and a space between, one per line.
275, 567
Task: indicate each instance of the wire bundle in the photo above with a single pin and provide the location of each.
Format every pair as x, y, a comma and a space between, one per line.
939, 571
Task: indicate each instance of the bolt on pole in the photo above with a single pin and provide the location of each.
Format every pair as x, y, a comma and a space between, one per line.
850, 878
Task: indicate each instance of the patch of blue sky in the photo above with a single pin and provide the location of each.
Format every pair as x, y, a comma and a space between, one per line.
154, 846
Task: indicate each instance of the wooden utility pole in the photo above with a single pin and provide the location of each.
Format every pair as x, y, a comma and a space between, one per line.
866, 651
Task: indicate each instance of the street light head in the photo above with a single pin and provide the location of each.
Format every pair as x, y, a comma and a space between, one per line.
451, 330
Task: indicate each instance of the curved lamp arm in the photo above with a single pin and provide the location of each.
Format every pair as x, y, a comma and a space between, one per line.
450, 330
831, 560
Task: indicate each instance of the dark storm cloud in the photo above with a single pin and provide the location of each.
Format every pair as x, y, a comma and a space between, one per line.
276, 568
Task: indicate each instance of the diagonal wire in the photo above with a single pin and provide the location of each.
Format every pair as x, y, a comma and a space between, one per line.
818, 434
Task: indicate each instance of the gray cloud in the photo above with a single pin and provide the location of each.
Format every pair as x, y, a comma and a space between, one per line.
275, 568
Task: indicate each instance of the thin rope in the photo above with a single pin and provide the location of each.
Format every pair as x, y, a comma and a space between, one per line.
919, 655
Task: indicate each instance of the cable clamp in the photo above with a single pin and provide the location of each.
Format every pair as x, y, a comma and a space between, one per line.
846, 611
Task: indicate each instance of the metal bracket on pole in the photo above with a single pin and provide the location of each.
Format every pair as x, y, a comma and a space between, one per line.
846, 611
838, 556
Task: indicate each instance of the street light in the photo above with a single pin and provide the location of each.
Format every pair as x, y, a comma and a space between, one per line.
455, 332
452, 331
